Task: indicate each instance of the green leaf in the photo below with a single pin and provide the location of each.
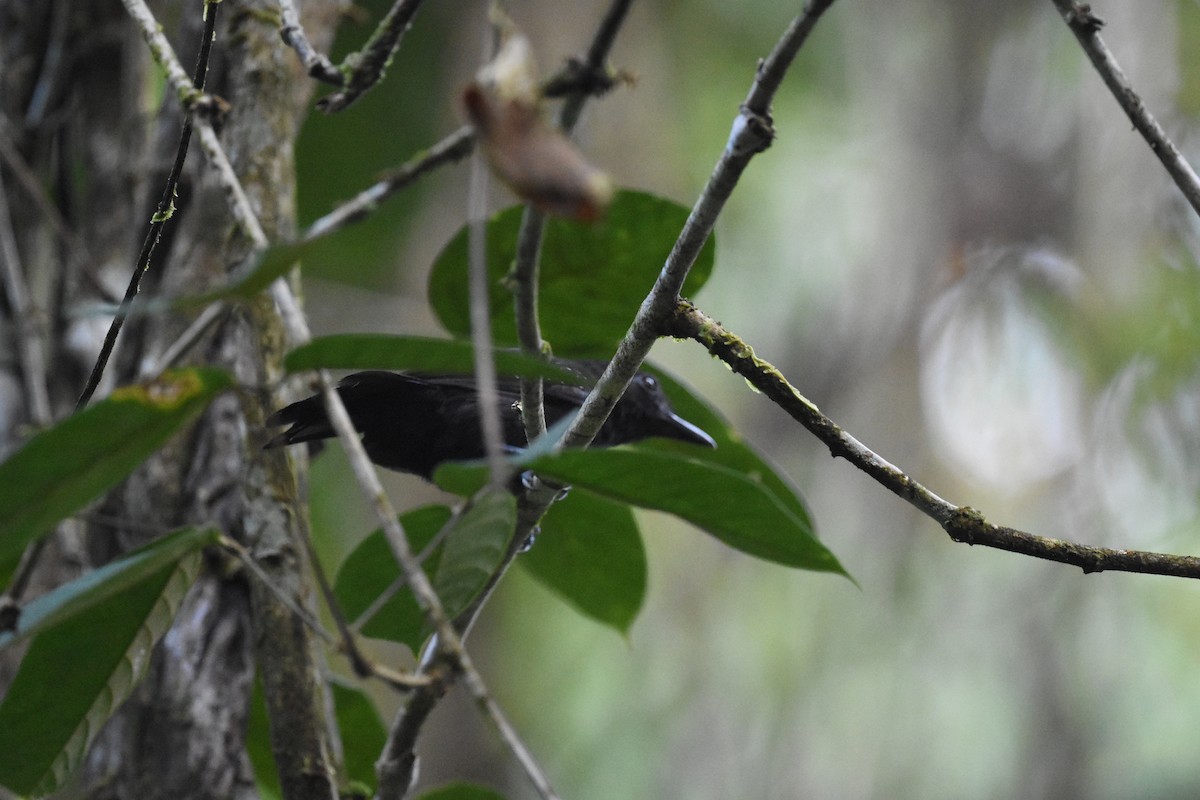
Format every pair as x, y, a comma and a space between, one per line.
589, 552
461, 791
46, 722
97, 586
593, 276
474, 548
370, 569
735, 508
382, 351
363, 734
63, 468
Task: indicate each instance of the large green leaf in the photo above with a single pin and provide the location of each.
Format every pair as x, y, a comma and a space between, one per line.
735, 508
363, 735
593, 276
419, 354
371, 569
474, 548
80, 669
474, 545
739, 509
63, 468
589, 552
97, 586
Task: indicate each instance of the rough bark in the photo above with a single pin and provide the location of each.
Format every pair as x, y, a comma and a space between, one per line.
181, 734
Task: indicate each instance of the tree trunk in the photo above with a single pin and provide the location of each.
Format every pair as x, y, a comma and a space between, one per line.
75, 79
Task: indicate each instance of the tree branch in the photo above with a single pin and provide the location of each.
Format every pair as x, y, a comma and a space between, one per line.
1086, 27
316, 63
166, 205
752, 133
26, 319
365, 68
454, 147
524, 273
962, 523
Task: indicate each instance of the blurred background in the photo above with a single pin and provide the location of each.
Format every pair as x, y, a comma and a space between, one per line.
958, 248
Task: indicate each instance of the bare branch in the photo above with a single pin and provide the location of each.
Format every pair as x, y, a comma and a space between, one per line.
1086, 27
751, 134
316, 63
77, 250
365, 68
962, 523
454, 147
26, 319
524, 274
481, 323
166, 205
523, 277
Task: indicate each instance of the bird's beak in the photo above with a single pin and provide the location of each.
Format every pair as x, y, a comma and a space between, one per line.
676, 427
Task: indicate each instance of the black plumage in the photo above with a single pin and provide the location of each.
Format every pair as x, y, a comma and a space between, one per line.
412, 422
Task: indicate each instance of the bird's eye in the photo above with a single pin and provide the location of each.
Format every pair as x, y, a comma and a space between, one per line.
650, 381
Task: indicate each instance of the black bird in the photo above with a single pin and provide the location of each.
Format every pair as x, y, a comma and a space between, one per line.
412, 422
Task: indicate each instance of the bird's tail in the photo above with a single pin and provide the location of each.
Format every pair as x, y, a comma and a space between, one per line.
308, 423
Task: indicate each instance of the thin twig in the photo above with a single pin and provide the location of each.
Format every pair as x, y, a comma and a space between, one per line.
365, 68
52, 72
239, 202
526, 264
166, 205
316, 63
524, 282
454, 147
481, 324
349, 641
1086, 27
77, 251
243, 555
399, 583
478, 302
26, 319
210, 316
363, 666
962, 523
752, 133
594, 63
